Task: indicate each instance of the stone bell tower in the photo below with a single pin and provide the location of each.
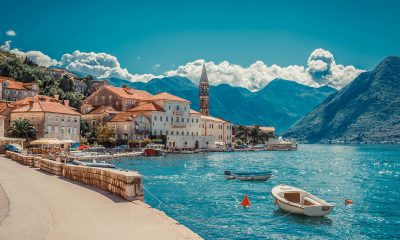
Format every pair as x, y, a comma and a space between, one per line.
204, 93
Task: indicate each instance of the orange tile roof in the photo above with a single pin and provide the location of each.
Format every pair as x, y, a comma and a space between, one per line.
25, 101
128, 116
166, 96
147, 107
121, 117
194, 112
12, 84
102, 109
46, 106
128, 92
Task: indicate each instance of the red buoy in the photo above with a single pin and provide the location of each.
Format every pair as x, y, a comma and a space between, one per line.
246, 201
348, 201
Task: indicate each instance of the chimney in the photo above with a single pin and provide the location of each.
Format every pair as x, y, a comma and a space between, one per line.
66, 103
56, 96
30, 104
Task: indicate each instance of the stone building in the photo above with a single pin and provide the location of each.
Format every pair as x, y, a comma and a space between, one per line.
5, 110
51, 117
130, 126
121, 99
12, 90
98, 115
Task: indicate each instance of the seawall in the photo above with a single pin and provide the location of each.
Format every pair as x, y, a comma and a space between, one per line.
125, 184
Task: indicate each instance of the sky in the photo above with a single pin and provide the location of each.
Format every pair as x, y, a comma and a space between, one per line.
245, 43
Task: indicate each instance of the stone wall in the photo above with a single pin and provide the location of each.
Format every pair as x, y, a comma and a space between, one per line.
125, 184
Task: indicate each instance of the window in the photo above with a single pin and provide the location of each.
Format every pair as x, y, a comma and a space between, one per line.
93, 123
160, 119
69, 120
56, 119
172, 132
183, 120
177, 119
177, 107
192, 120
155, 118
187, 120
32, 118
166, 132
75, 119
177, 132
62, 119
166, 119
69, 131
197, 120
62, 131
48, 129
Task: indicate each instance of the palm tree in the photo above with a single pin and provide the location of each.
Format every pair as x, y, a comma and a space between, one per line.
21, 128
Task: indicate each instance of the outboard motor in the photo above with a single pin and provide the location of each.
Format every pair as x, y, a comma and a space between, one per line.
228, 173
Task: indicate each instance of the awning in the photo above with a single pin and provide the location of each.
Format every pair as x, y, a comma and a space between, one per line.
47, 141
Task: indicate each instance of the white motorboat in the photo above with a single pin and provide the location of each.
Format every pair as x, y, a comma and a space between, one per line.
298, 201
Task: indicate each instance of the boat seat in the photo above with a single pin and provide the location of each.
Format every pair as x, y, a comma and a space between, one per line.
310, 202
292, 197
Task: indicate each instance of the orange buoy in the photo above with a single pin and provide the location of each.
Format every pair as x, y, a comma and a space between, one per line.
246, 201
348, 201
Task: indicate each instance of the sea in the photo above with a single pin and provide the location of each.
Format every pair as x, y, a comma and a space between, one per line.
192, 189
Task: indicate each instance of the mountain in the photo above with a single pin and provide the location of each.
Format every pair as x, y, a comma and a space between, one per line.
366, 110
280, 104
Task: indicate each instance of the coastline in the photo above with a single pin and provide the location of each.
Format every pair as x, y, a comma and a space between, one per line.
44, 206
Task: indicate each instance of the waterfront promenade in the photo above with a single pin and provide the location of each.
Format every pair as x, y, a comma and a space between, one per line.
36, 205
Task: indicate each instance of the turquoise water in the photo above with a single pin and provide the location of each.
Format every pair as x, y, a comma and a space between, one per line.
196, 193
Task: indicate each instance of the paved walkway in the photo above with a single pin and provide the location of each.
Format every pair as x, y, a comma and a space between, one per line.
35, 205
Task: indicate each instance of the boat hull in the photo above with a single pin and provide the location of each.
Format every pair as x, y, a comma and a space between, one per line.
153, 152
312, 206
248, 176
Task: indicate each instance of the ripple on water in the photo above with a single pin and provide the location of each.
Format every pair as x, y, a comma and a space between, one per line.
197, 194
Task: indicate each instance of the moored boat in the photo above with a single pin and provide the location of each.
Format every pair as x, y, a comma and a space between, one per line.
154, 150
248, 176
298, 201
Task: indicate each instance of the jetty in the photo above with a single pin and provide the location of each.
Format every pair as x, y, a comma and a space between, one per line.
46, 202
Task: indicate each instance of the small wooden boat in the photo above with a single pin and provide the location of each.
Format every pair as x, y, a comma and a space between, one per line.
93, 164
298, 201
154, 150
248, 176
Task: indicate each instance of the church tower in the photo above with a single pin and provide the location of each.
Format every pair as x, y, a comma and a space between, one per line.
204, 92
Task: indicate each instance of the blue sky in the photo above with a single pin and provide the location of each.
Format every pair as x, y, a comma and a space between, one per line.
156, 36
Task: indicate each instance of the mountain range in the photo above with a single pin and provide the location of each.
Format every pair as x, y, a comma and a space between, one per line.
280, 104
366, 110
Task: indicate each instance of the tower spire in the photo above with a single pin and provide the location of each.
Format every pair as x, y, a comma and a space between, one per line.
204, 77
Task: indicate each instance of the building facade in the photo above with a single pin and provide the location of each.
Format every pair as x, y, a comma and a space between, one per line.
12, 90
51, 117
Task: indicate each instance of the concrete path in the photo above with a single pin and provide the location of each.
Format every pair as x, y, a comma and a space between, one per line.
35, 205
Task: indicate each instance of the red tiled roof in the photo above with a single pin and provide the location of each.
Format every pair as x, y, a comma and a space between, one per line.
166, 96
12, 84
194, 112
129, 92
46, 105
102, 109
25, 101
147, 107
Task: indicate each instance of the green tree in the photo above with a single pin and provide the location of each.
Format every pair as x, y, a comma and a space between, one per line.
21, 128
84, 128
105, 135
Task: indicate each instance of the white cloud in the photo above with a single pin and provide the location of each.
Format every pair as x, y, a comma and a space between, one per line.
156, 66
36, 56
321, 70
11, 33
101, 65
